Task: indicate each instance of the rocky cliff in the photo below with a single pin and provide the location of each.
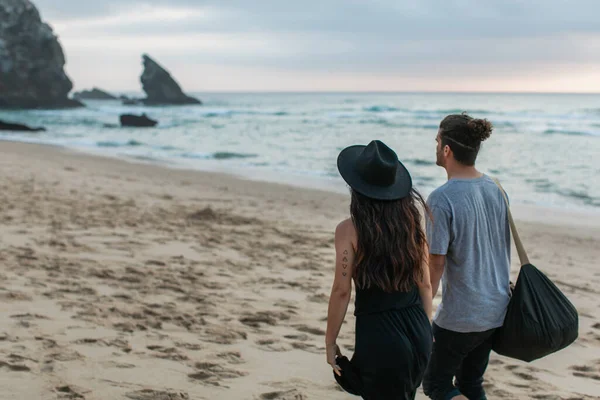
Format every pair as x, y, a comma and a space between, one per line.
160, 87
31, 60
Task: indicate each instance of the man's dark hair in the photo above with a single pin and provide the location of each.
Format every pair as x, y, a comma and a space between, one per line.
464, 135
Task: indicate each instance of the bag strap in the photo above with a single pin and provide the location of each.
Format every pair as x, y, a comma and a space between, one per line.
513, 228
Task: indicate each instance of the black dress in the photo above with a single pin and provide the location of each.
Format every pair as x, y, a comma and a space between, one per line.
392, 347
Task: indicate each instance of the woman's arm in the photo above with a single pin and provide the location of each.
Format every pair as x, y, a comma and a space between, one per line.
342, 286
425, 289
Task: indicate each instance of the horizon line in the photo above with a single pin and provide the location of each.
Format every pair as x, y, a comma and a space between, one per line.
350, 92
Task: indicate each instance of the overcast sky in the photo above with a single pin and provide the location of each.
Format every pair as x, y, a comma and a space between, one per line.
333, 45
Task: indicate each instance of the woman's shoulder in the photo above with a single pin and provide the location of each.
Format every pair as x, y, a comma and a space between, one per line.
346, 230
345, 226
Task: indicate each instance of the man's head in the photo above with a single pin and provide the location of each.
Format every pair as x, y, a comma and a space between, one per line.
459, 139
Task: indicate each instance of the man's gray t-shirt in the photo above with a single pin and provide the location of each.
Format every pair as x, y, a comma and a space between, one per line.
470, 227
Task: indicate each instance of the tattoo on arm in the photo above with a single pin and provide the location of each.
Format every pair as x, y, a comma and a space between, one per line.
345, 263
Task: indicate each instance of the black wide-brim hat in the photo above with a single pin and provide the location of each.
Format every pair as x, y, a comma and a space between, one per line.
374, 171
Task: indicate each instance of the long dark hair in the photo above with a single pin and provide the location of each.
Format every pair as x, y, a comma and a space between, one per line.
391, 242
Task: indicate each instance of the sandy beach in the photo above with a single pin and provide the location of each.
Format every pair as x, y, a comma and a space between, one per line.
124, 280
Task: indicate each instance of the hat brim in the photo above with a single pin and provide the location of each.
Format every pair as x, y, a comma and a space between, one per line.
346, 163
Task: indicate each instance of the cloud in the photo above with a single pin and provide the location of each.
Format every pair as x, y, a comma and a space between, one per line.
411, 18
144, 16
412, 39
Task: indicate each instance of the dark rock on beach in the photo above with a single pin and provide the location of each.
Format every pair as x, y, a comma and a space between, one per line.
31, 60
160, 87
10, 126
94, 94
140, 121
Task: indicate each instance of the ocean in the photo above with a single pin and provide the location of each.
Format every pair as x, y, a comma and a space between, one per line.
545, 148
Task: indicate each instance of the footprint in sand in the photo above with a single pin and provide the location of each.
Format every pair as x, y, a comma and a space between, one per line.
272, 345
308, 347
292, 394
231, 357
167, 353
545, 396
65, 355
28, 317
264, 317
290, 306
311, 330
223, 335
318, 298
114, 364
68, 392
149, 394
17, 357
300, 337
14, 296
57, 353
90, 341
497, 393
524, 376
156, 263
307, 266
189, 346
127, 327
587, 371
14, 367
213, 373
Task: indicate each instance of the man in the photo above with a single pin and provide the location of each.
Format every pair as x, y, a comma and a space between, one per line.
469, 246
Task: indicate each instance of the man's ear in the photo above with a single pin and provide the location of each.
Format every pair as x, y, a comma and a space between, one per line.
447, 150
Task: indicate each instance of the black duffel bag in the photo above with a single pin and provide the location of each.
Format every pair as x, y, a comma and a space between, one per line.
540, 320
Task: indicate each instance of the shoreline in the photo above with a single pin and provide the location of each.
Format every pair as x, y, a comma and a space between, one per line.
581, 217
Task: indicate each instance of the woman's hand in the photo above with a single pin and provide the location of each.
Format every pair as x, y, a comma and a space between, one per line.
333, 350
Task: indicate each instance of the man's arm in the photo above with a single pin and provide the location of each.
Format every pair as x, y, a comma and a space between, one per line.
439, 236
425, 285
436, 269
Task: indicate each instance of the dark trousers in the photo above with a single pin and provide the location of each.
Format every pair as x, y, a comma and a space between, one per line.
461, 355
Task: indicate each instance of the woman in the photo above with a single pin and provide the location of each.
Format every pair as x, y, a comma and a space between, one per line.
382, 248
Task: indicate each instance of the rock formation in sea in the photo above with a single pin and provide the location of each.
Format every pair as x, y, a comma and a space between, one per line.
32, 62
160, 87
12, 126
94, 94
139, 121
